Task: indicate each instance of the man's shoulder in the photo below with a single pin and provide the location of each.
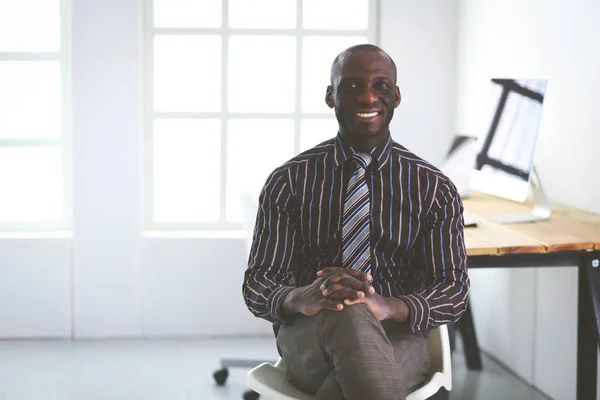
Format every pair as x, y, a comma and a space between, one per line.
426, 170
322, 150
325, 149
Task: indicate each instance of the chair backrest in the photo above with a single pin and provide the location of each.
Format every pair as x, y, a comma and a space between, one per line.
438, 346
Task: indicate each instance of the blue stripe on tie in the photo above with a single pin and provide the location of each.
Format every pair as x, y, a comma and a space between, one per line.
361, 229
349, 217
357, 222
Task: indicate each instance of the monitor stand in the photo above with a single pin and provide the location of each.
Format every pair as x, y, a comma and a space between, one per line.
541, 209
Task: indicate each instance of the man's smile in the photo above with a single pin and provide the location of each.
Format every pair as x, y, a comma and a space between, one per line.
366, 116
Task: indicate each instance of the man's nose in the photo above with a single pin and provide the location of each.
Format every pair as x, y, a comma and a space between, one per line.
367, 96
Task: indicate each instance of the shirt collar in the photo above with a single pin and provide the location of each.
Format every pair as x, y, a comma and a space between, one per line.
380, 153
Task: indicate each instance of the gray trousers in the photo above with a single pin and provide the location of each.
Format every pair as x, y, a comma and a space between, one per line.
348, 355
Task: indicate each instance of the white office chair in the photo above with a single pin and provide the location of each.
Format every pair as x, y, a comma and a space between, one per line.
270, 380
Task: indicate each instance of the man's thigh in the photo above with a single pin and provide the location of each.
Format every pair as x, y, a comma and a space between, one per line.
410, 351
306, 363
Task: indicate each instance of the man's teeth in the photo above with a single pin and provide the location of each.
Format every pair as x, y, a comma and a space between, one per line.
366, 115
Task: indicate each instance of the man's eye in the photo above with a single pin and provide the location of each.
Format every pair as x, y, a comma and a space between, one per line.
384, 85
350, 85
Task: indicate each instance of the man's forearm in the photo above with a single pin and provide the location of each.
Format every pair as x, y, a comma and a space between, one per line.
289, 306
397, 309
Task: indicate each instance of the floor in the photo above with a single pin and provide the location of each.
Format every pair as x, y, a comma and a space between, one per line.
177, 369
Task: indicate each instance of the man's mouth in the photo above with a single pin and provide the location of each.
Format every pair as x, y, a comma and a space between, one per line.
366, 116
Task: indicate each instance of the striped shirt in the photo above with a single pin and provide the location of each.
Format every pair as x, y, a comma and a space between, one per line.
417, 244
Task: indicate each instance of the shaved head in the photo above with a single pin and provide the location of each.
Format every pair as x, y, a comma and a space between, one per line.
341, 58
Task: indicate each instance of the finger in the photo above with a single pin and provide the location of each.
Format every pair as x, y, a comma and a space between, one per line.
360, 275
350, 302
342, 292
359, 285
332, 279
331, 305
329, 270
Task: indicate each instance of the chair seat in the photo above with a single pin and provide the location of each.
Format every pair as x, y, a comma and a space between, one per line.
271, 380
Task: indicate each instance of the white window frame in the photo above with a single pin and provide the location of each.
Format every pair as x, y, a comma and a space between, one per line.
372, 34
65, 141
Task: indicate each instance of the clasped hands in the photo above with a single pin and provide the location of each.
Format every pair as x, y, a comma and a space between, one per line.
336, 288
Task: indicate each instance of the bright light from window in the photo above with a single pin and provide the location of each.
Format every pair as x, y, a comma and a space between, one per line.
187, 73
187, 170
262, 73
187, 13
29, 25
31, 184
30, 99
336, 14
260, 14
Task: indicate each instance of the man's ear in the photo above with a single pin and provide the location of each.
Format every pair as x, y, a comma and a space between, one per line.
398, 97
329, 97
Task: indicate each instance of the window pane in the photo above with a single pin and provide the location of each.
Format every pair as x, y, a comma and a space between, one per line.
262, 72
318, 53
30, 99
255, 149
315, 131
31, 184
259, 14
187, 73
187, 13
29, 25
187, 170
335, 14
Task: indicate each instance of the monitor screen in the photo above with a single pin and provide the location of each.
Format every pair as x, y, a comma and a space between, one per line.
506, 146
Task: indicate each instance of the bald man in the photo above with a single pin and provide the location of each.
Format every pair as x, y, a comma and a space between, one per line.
358, 247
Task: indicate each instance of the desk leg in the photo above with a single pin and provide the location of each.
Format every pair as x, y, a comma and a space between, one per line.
588, 314
467, 331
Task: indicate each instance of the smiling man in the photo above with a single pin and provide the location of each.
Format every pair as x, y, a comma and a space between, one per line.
358, 247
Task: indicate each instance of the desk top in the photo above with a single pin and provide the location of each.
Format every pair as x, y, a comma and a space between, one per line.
567, 229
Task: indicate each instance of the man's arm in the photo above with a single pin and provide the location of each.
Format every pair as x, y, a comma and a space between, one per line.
267, 288
267, 279
444, 256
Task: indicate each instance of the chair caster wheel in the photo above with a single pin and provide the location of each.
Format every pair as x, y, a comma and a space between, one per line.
250, 395
221, 376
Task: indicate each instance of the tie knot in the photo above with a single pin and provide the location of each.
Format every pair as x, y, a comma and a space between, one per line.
362, 160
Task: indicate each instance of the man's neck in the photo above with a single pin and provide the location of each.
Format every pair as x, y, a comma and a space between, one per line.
365, 144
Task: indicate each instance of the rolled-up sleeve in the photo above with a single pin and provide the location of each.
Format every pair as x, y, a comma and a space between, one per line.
269, 277
443, 253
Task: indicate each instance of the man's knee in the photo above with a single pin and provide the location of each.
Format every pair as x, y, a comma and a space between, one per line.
353, 323
353, 313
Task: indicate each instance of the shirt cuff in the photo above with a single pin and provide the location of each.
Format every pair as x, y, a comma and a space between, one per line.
274, 303
418, 316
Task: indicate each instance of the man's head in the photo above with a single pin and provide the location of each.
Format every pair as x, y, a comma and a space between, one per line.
364, 94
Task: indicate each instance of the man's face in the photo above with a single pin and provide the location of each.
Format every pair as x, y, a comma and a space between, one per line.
364, 95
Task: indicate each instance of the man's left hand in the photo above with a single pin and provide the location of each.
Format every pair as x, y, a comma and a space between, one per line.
383, 307
378, 305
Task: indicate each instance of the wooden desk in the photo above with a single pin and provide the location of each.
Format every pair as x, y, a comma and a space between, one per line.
570, 238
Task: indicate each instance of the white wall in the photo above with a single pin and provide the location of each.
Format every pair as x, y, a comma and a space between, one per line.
35, 287
421, 38
553, 40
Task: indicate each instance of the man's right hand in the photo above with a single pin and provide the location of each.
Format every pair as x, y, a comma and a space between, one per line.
328, 291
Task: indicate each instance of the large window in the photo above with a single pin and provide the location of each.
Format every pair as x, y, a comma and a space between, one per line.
34, 140
236, 88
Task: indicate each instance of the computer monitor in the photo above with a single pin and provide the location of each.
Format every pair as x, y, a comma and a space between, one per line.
504, 162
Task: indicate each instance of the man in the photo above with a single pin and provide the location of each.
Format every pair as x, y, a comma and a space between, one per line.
358, 247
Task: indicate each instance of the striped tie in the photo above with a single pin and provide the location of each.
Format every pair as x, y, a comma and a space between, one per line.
356, 246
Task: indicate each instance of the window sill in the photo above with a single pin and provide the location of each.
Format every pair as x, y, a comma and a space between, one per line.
36, 235
233, 234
